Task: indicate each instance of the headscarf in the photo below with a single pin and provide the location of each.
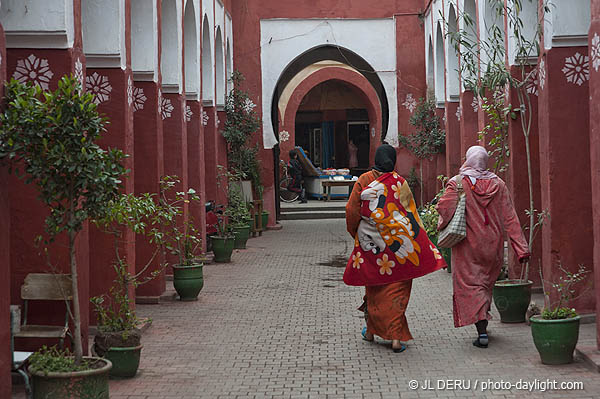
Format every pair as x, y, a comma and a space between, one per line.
385, 158
476, 164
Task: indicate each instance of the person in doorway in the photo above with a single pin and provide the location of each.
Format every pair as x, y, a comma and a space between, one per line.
477, 260
391, 248
295, 170
353, 154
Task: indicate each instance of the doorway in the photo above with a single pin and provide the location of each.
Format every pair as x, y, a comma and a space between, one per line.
358, 133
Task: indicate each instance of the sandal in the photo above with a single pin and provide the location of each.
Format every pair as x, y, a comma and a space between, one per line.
401, 349
481, 341
364, 335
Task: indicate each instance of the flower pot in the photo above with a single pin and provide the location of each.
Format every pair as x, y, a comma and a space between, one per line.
125, 361
222, 248
265, 219
188, 281
555, 340
512, 298
91, 383
241, 235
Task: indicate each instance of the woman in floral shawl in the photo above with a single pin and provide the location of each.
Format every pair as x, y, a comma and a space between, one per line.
390, 248
477, 260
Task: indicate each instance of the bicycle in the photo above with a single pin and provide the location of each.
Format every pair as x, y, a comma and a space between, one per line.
285, 194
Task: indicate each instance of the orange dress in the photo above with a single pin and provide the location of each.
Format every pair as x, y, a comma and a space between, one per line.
384, 305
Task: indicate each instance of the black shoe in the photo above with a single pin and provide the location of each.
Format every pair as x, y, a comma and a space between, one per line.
481, 341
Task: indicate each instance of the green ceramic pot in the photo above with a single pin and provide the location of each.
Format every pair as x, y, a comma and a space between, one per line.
74, 385
555, 340
241, 235
126, 361
222, 248
265, 219
188, 281
512, 298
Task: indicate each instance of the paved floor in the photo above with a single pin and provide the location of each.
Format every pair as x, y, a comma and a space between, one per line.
279, 323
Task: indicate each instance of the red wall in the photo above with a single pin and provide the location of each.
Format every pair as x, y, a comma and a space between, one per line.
410, 54
595, 159
27, 216
565, 174
5, 357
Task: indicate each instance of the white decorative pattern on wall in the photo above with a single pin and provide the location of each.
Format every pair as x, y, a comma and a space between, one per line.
542, 73
577, 69
248, 106
138, 98
532, 83
475, 104
79, 72
188, 113
595, 55
284, 135
34, 70
166, 107
129, 91
458, 112
99, 86
204, 118
410, 103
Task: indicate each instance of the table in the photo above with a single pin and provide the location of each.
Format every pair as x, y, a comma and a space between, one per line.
327, 184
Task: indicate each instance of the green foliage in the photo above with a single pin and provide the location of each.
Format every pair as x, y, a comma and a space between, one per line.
52, 360
565, 287
558, 313
115, 310
429, 216
495, 133
413, 180
429, 137
53, 135
237, 209
242, 122
180, 238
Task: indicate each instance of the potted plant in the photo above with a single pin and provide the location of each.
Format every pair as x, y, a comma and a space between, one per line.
223, 242
51, 139
181, 239
118, 337
237, 211
556, 331
430, 216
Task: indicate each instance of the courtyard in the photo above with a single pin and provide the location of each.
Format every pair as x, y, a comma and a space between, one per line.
278, 322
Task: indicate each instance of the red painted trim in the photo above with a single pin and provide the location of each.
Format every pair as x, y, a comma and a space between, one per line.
353, 79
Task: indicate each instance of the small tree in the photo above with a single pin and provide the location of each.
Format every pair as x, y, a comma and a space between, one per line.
50, 140
483, 68
429, 138
242, 122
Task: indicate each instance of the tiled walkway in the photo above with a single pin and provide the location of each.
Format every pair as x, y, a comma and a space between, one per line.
279, 323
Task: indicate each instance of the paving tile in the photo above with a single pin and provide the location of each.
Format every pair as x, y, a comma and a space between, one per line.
278, 322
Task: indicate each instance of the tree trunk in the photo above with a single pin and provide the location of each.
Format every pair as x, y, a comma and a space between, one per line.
77, 346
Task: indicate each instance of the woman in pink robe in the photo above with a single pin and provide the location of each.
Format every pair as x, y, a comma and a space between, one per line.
477, 260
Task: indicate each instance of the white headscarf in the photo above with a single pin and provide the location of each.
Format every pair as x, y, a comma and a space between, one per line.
476, 164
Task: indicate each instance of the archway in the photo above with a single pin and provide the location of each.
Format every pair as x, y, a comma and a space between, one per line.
207, 65
170, 58
439, 79
219, 68
452, 70
336, 81
345, 58
192, 67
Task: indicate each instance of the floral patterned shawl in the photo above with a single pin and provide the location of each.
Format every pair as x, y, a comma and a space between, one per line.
391, 243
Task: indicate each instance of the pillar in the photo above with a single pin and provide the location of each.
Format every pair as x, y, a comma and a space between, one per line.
594, 88
149, 167
563, 109
196, 174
